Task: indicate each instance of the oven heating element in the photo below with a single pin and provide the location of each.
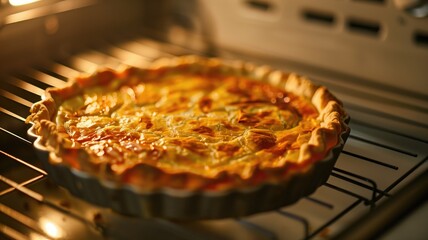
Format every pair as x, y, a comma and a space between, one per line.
33, 208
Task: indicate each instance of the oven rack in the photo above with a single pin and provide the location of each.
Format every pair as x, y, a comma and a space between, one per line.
33, 208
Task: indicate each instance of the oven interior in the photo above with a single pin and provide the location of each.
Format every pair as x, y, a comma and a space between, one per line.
372, 54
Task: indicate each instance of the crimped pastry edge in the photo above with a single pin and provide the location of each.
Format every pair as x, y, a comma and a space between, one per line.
331, 110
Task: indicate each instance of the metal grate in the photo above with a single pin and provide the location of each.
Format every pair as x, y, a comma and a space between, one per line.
376, 159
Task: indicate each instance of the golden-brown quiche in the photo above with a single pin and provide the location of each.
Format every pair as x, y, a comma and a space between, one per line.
190, 123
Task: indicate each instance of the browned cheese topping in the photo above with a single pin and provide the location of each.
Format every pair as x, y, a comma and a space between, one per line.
189, 123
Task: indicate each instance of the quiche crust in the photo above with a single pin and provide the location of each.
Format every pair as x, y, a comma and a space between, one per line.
247, 141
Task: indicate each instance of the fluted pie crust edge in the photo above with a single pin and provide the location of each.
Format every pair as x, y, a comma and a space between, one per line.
331, 124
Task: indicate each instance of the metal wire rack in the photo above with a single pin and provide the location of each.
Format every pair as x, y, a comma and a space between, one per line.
376, 159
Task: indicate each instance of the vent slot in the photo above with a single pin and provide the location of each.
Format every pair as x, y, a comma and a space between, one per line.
319, 17
371, 1
259, 5
364, 27
420, 39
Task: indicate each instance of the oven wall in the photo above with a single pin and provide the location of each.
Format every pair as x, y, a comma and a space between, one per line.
368, 41
57, 29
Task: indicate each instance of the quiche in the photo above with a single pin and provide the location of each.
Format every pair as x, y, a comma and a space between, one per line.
190, 123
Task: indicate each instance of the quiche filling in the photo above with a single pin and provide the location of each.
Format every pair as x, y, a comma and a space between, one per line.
193, 123
190, 123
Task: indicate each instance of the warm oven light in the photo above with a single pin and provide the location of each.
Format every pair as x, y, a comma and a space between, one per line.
51, 229
21, 2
